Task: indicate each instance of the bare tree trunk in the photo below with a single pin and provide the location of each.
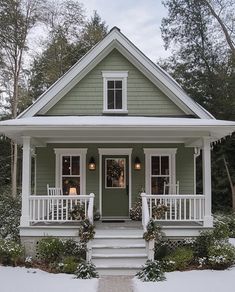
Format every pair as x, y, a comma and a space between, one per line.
232, 186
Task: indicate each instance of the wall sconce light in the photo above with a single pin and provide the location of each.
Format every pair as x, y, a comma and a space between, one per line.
72, 191
137, 163
91, 164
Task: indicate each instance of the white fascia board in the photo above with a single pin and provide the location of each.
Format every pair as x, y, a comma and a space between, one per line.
86, 63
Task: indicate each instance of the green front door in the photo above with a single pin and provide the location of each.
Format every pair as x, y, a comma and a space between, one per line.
115, 186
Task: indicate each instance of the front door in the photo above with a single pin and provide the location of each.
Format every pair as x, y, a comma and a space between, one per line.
115, 186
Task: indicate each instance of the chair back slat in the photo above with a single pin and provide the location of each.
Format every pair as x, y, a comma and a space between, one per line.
52, 191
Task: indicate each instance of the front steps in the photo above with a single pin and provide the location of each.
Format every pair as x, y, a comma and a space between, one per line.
118, 251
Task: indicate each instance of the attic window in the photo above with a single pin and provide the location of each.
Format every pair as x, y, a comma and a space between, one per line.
115, 91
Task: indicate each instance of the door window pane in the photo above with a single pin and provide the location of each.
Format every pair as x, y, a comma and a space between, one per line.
115, 169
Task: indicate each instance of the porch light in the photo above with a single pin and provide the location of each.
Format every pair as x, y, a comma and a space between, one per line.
91, 164
72, 191
137, 163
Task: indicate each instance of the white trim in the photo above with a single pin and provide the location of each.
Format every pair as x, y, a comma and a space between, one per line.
149, 152
59, 152
115, 39
115, 76
114, 151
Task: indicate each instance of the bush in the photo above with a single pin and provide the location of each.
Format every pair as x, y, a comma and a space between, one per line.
74, 249
50, 249
153, 231
229, 220
10, 211
151, 271
86, 270
221, 255
11, 252
136, 210
68, 265
86, 231
179, 259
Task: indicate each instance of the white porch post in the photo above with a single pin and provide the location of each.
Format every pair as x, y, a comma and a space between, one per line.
206, 165
26, 181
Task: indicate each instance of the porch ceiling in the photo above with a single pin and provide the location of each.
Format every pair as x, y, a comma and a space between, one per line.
116, 129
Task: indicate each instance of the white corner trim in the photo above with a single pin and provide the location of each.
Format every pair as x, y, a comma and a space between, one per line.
59, 152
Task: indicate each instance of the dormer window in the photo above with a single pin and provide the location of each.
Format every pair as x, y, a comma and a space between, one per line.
115, 91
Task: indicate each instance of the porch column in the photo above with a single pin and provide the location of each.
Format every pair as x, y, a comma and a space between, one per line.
206, 165
26, 181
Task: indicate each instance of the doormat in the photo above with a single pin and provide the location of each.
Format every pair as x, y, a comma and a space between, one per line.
113, 221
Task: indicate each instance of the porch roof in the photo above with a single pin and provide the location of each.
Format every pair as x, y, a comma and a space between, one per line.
74, 126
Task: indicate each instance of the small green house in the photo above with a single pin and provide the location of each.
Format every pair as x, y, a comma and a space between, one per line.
114, 126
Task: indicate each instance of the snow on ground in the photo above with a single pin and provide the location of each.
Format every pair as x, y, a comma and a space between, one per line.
232, 241
27, 280
193, 281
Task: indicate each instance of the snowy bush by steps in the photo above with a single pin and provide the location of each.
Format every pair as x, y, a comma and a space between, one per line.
11, 253
151, 271
86, 270
221, 255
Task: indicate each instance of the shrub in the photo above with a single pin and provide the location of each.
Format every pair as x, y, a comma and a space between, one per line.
153, 231
202, 244
229, 220
180, 258
161, 250
136, 210
78, 212
86, 231
86, 270
68, 265
11, 252
10, 211
50, 249
221, 255
74, 249
221, 231
151, 271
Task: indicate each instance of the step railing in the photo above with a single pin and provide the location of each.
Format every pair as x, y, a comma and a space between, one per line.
58, 208
178, 208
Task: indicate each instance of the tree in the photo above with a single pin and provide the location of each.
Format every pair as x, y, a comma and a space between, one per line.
202, 34
17, 18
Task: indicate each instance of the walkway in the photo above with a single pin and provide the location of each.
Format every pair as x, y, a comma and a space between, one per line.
115, 284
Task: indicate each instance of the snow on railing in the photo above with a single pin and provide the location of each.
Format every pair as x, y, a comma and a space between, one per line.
177, 207
58, 208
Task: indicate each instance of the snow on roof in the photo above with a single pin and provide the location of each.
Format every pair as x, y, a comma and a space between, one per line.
114, 121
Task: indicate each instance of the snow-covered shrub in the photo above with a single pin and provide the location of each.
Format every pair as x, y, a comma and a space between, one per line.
50, 249
136, 210
86, 231
68, 265
221, 255
229, 220
11, 252
151, 271
153, 231
86, 270
221, 231
10, 211
74, 248
180, 258
202, 244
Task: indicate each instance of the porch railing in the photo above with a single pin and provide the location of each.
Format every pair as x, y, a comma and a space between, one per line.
58, 208
179, 208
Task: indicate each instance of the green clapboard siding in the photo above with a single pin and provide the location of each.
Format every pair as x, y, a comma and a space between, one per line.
45, 167
144, 98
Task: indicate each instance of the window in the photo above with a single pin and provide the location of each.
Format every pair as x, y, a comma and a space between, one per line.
71, 170
115, 169
160, 168
115, 91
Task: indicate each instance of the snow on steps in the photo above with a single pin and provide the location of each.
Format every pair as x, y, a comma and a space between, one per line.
118, 253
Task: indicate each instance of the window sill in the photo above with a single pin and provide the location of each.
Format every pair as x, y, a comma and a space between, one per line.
115, 112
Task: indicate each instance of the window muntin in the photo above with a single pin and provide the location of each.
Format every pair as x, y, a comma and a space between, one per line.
115, 173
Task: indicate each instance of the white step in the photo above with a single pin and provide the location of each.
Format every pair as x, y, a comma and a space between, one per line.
117, 271
117, 240
125, 249
119, 260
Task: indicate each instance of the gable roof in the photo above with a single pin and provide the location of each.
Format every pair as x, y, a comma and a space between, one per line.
115, 39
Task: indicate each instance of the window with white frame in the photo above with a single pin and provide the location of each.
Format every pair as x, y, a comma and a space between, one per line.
160, 169
70, 170
115, 91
